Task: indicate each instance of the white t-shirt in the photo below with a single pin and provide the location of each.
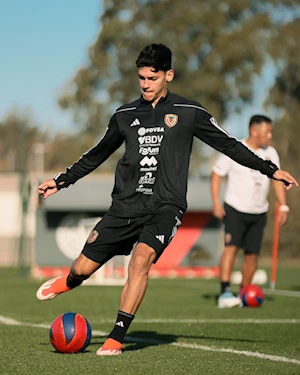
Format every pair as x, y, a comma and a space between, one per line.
246, 189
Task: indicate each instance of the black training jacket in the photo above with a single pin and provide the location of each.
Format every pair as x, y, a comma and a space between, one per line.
158, 141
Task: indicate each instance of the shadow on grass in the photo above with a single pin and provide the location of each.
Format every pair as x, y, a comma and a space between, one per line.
143, 339
209, 296
295, 288
214, 297
86, 351
54, 351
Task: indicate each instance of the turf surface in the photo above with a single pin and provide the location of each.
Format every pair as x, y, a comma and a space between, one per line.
178, 330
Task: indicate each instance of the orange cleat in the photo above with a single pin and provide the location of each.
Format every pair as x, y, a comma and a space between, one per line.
110, 347
52, 288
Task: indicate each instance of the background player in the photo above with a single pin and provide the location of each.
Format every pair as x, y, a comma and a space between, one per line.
245, 207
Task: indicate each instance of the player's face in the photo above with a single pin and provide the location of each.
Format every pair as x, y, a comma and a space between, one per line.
264, 134
153, 85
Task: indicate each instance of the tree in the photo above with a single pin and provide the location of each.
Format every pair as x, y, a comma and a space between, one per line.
18, 134
285, 97
218, 47
57, 158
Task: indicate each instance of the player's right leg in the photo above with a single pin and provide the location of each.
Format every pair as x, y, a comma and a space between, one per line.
252, 246
227, 299
234, 228
81, 269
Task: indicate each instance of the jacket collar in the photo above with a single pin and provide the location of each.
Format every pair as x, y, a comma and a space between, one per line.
161, 100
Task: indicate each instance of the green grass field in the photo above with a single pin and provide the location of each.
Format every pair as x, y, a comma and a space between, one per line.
178, 330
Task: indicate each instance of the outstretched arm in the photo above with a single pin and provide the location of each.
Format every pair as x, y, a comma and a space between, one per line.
207, 129
94, 157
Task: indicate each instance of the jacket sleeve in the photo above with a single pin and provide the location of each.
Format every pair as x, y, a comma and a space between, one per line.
90, 160
207, 130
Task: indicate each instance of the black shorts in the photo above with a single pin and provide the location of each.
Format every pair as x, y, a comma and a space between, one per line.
244, 230
116, 236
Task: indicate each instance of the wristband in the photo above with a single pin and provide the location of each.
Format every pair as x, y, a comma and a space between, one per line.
284, 208
269, 168
61, 181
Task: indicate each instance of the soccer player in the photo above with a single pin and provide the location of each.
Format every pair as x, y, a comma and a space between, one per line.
149, 195
245, 207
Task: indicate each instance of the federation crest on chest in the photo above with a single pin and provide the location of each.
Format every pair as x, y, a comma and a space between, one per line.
171, 120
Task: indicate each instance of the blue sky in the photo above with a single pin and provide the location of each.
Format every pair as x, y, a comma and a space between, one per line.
42, 44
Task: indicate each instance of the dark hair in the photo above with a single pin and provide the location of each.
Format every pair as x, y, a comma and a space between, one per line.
157, 56
259, 119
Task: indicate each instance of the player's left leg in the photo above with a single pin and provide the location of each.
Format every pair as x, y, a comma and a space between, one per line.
137, 282
249, 268
156, 232
131, 297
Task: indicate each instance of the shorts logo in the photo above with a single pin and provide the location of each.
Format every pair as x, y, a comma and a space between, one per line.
228, 237
161, 238
93, 236
171, 120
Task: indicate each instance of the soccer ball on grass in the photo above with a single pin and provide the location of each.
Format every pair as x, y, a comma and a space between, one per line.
70, 333
252, 295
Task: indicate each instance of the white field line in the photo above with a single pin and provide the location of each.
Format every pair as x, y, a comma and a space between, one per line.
269, 357
12, 322
285, 293
210, 321
274, 358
